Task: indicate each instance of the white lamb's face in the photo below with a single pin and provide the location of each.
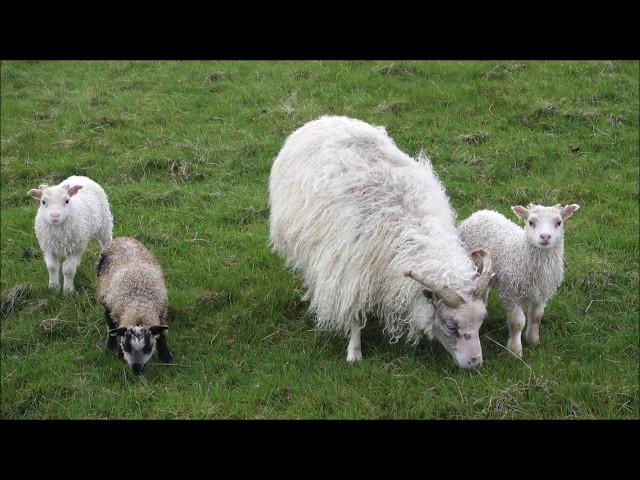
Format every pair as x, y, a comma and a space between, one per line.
458, 330
55, 202
544, 226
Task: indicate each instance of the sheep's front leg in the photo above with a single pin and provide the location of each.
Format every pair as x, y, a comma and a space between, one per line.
69, 271
532, 331
53, 266
515, 322
354, 351
164, 354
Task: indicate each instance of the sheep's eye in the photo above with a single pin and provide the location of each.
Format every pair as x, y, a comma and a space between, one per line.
43, 202
452, 326
532, 223
558, 223
67, 201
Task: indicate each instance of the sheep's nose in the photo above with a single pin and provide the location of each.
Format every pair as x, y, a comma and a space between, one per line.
55, 215
545, 236
475, 361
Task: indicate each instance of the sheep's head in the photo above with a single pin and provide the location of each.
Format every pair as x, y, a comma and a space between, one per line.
55, 202
544, 226
459, 314
138, 344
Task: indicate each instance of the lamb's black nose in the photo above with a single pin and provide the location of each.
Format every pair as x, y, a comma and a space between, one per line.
137, 368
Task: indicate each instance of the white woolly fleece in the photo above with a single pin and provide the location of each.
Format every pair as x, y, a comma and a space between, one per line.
89, 218
523, 272
351, 212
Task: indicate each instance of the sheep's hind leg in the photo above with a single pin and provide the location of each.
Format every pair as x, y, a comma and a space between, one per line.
53, 266
532, 331
69, 271
515, 321
354, 350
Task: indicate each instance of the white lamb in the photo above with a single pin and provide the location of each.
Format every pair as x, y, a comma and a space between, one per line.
528, 262
358, 218
71, 214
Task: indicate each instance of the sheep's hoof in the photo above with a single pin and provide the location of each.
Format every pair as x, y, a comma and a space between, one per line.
515, 348
532, 337
55, 287
354, 357
68, 291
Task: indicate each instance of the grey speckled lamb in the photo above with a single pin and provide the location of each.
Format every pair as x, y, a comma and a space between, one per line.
131, 288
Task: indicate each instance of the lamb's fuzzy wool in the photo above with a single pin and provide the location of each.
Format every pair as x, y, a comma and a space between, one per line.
523, 272
132, 290
351, 212
131, 285
90, 218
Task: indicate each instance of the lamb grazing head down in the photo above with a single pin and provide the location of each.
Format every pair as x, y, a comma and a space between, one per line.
544, 226
459, 315
56, 203
138, 344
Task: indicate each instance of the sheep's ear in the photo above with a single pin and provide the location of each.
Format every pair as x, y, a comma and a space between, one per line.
116, 332
73, 190
158, 329
520, 211
35, 193
568, 211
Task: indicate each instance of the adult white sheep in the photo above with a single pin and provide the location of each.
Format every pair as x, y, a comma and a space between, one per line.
71, 214
528, 263
356, 217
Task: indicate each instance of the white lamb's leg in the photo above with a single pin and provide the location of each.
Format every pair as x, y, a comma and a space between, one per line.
354, 352
69, 271
532, 332
53, 266
105, 236
515, 322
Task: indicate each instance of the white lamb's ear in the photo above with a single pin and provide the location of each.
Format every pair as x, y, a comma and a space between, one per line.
520, 211
568, 211
73, 190
35, 193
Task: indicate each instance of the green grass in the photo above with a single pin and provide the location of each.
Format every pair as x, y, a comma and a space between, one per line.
185, 157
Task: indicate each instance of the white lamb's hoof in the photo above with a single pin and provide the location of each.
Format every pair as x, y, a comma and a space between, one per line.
54, 286
515, 348
354, 357
68, 291
532, 337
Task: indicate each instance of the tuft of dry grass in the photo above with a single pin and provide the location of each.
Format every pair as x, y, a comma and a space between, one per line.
474, 138
216, 76
394, 69
14, 299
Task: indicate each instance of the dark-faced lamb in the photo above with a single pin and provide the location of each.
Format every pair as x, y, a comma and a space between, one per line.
372, 232
132, 290
529, 262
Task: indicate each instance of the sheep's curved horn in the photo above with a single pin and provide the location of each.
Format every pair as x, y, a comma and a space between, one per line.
450, 297
481, 257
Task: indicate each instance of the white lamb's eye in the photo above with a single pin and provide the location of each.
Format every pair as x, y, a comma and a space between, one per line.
67, 201
451, 326
531, 223
43, 202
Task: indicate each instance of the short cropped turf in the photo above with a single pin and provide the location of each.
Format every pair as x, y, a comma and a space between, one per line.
184, 151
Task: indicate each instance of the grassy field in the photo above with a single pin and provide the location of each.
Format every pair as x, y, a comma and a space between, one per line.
184, 151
